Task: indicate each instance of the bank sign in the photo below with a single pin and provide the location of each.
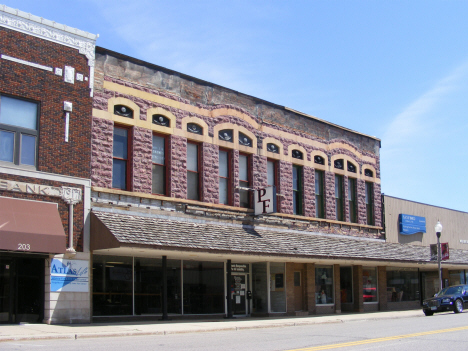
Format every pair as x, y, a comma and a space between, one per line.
69, 275
411, 224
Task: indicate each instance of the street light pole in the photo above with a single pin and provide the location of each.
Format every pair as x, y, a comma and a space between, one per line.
438, 230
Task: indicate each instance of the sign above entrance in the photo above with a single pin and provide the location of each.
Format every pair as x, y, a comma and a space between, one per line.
409, 224
240, 268
265, 200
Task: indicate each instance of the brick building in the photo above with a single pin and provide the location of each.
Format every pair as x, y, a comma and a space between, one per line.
46, 90
175, 164
128, 191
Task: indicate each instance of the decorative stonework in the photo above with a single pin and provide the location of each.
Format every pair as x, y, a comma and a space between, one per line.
68, 194
39, 27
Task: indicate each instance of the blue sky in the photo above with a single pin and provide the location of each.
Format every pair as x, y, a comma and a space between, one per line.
397, 70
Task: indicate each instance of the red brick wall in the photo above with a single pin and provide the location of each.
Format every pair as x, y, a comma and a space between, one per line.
50, 91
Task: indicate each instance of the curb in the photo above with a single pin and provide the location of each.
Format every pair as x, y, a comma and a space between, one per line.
74, 336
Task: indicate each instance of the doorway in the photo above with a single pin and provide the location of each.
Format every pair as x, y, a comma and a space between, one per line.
239, 282
21, 289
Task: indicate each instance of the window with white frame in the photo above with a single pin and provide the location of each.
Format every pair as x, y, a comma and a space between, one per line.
18, 131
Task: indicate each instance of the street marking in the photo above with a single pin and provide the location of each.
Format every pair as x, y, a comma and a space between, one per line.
371, 341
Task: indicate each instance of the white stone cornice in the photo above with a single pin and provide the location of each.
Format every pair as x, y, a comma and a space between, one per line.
39, 27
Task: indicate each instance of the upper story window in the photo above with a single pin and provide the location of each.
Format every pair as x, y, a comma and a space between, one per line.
161, 120
319, 160
339, 208
368, 173
297, 154
226, 135
194, 128
124, 111
224, 177
271, 173
18, 131
339, 164
120, 167
351, 167
244, 171
352, 191
297, 190
245, 140
193, 177
319, 191
158, 158
273, 148
370, 203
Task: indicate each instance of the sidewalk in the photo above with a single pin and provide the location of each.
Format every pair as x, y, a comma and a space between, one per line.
74, 331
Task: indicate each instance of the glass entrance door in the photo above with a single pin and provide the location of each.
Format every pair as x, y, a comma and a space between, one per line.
21, 289
6, 308
239, 294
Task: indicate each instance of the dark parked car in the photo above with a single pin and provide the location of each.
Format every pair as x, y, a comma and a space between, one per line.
454, 298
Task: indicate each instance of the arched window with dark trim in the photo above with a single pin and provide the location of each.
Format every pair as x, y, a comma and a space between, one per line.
319, 160
226, 135
297, 154
124, 111
339, 164
273, 148
245, 140
194, 128
161, 120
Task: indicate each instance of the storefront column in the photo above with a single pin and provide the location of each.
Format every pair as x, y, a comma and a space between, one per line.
310, 281
290, 296
164, 289
336, 274
229, 289
358, 289
382, 287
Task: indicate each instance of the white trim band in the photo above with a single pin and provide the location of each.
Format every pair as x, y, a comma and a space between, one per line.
32, 64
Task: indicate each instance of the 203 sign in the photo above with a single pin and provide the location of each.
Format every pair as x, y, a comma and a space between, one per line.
24, 247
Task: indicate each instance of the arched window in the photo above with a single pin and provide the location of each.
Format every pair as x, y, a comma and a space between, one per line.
273, 148
161, 120
124, 111
194, 128
226, 135
297, 154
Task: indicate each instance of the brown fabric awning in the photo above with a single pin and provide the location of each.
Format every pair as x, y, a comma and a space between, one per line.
30, 226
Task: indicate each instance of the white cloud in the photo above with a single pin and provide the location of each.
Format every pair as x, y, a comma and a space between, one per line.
417, 121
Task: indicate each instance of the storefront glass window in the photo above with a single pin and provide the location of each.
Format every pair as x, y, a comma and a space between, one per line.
369, 281
112, 286
457, 277
260, 288
203, 287
323, 285
346, 284
277, 287
402, 284
148, 286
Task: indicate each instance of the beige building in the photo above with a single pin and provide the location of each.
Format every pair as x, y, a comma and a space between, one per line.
454, 232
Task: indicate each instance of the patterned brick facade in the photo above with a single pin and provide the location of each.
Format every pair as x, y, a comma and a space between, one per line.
142, 141
309, 191
50, 91
178, 167
102, 143
210, 171
183, 97
285, 187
